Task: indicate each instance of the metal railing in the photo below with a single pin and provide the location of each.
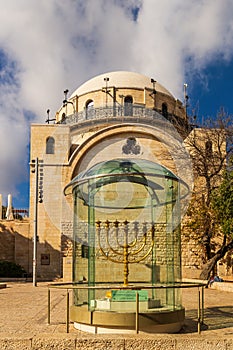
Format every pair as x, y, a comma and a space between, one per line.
127, 114
111, 112
181, 285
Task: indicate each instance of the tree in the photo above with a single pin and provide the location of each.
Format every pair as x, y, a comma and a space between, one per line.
210, 146
222, 205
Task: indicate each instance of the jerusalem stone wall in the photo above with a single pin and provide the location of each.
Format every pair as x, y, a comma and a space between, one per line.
16, 243
191, 258
67, 250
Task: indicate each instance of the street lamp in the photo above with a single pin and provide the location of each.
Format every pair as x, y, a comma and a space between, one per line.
38, 199
106, 79
65, 102
48, 119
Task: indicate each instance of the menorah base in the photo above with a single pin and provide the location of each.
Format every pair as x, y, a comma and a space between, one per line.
117, 306
101, 322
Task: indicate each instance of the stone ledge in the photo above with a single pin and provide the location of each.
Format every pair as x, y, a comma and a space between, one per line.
63, 341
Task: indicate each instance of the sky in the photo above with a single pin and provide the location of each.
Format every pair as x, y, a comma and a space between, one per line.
48, 46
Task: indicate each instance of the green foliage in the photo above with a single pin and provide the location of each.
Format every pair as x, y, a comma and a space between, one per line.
10, 269
222, 203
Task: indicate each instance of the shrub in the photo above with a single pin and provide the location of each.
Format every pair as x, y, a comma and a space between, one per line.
10, 269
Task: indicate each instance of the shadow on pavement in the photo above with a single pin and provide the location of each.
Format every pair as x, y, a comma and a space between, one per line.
218, 317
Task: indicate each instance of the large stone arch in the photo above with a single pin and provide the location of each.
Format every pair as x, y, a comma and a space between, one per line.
152, 144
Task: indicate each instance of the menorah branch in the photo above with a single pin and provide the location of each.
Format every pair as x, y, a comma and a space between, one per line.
119, 245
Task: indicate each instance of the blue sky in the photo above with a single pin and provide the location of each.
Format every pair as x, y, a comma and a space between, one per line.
48, 46
216, 93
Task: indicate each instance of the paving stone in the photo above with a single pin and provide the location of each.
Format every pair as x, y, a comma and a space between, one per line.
54, 341
153, 344
200, 344
100, 344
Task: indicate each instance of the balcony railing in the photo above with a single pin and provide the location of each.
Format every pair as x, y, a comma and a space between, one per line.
128, 113
117, 111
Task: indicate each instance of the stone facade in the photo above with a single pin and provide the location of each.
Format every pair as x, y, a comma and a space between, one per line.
94, 125
124, 116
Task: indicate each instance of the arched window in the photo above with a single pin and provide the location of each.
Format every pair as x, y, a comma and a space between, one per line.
50, 145
164, 110
89, 106
128, 105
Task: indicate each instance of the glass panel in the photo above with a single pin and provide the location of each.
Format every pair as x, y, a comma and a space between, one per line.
80, 244
92, 250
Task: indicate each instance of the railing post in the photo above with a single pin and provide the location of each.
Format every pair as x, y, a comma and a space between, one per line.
137, 313
202, 305
199, 313
48, 305
67, 311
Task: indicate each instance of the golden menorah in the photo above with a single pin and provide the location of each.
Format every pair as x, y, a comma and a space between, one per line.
125, 246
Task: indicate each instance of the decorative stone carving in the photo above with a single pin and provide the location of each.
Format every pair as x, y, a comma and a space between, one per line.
131, 146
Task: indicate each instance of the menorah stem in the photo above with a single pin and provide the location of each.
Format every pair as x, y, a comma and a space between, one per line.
126, 254
126, 265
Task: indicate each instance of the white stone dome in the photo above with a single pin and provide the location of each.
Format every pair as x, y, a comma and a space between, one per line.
119, 79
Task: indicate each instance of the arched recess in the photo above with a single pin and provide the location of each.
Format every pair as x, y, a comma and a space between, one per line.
128, 105
50, 145
89, 108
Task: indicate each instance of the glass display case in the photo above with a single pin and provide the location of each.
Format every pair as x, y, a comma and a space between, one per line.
127, 245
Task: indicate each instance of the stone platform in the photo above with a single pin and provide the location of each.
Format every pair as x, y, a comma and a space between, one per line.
23, 324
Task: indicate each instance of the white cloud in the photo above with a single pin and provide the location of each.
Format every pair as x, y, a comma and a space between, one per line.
53, 45
171, 32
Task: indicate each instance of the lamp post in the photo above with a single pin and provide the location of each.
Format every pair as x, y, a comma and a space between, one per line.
66, 102
48, 119
106, 90
154, 91
37, 199
34, 265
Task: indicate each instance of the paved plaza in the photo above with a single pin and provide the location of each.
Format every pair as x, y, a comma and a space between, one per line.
24, 314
